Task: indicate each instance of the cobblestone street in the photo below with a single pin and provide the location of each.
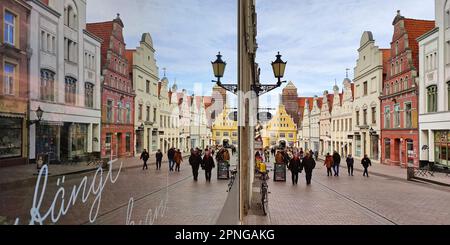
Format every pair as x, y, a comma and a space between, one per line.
355, 200
176, 196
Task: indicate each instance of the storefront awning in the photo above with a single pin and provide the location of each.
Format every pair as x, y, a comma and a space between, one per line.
12, 115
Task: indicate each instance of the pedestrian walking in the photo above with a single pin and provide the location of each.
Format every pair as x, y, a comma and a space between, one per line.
350, 162
195, 160
309, 165
336, 163
329, 164
294, 166
170, 156
144, 157
159, 157
366, 163
178, 159
208, 165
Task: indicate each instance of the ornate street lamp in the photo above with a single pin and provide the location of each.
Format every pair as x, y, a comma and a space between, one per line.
372, 132
279, 67
39, 113
219, 69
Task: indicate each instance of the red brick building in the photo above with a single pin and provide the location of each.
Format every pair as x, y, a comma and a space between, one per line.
399, 101
117, 91
14, 21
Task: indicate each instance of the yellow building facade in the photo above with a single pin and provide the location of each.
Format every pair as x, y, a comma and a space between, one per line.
280, 128
225, 130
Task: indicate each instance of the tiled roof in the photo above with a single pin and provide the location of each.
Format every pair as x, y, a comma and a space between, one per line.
320, 102
302, 102
129, 54
330, 99
207, 101
416, 28
102, 30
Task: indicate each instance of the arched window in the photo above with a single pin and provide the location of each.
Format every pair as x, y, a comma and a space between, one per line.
396, 48
405, 83
89, 94
47, 88
70, 90
432, 98
70, 17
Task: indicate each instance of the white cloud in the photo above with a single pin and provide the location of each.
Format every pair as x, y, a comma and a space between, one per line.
319, 39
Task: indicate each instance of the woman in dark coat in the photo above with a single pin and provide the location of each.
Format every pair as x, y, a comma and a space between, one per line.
208, 164
308, 164
195, 160
294, 166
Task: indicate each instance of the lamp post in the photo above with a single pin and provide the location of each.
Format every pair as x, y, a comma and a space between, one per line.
219, 69
278, 67
39, 113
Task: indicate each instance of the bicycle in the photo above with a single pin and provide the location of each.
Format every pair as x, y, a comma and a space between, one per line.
265, 192
232, 178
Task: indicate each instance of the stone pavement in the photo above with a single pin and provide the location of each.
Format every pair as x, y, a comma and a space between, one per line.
380, 199
27, 174
394, 172
182, 200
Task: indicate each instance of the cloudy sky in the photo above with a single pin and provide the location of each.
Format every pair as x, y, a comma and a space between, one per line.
319, 39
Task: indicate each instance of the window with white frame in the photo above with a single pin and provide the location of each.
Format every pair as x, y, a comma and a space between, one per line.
397, 115
9, 28
9, 77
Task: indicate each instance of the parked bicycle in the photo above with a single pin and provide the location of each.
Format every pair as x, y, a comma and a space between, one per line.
232, 178
265, 192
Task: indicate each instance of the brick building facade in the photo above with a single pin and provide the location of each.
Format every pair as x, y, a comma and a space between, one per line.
14, 19
117, 137
399, 100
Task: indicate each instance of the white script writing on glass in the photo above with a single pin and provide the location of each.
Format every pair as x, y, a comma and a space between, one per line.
59, 207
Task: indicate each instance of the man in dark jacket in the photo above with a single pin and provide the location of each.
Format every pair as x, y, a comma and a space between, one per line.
350, 161
159, 157
294, 166
336, 163
170, 156
308, 164
195, 160
144, 157
208, 163
366, 163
